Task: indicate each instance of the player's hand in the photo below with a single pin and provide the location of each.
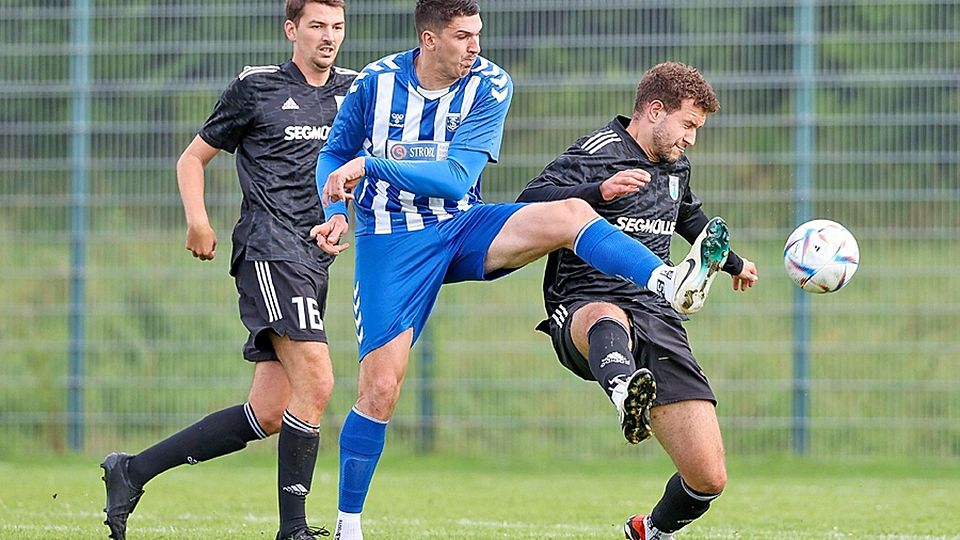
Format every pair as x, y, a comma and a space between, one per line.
202, 241
340, 183
624, 183
747, 277
328, 234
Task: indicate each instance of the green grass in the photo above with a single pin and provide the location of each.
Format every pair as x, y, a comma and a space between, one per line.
444, 497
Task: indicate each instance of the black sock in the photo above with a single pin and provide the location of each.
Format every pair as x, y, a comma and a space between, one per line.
297, 456
679, 505
610, 354
217, 434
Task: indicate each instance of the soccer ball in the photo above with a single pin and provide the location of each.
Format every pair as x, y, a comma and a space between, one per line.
821, 256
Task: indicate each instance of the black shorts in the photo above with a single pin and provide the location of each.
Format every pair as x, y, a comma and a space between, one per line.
284, 297
659, 343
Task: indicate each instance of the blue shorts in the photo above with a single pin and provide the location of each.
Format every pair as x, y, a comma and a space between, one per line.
398, 276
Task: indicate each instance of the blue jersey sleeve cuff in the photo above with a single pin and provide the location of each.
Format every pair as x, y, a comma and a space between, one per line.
339, 207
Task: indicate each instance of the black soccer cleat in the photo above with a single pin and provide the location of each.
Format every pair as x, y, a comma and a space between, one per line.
306, 533
122, 495
633, 397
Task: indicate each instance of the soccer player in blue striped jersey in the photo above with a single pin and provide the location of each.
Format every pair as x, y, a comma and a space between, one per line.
425, 122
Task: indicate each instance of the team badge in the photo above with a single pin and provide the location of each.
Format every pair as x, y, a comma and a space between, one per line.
674, 187
453, 121
398, 152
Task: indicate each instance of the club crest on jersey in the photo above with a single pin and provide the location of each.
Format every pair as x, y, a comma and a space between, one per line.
674, 187
453, 121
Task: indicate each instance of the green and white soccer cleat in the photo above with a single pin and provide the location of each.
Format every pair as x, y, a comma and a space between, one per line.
633, 396
694, 275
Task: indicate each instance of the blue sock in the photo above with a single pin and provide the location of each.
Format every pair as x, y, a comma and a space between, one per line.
613, 252
361, 443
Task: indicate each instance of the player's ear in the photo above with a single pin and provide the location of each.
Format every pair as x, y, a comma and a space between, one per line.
655, 110
428, 40
290, 29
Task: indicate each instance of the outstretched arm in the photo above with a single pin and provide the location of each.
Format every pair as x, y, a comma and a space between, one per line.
621, 183
449, 178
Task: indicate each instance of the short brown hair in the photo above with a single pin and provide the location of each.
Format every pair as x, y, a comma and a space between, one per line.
673, 82
294, 8
435, 15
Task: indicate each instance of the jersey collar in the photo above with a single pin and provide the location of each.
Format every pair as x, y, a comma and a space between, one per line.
290, 68
428, 94
619, 124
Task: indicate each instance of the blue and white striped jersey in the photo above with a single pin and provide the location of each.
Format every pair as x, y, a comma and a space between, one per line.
386, 114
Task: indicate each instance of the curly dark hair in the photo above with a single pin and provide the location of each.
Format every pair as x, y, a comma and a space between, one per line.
673, 82
435, 15
294, 8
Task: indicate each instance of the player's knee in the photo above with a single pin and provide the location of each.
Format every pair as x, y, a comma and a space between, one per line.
577, 210
601, 310
713, 482
270, 417
381, 393
316, 392
563, 220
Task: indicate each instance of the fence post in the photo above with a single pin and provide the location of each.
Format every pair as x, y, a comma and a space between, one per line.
805, 19
79, 165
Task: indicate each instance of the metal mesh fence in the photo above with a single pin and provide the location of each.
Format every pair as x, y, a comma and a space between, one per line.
114, 336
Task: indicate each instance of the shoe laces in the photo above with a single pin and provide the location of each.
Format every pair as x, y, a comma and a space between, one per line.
618, 391
308, 533
619, 383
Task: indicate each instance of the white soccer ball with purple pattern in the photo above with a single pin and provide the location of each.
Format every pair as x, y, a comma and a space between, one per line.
821, 256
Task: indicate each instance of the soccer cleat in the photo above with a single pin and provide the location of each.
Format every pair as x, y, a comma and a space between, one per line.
122, 495
306, 533
638, 528
633, 396
692, 277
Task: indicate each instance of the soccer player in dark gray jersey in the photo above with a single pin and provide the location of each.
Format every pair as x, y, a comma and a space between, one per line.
634, 173
666, 205
276, 122
276, 118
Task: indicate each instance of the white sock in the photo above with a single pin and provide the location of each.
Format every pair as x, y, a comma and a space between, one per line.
661, 281
348, 527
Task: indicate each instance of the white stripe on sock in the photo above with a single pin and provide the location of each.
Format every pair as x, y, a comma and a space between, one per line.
252, 419
576, 242
299, 424
695, 495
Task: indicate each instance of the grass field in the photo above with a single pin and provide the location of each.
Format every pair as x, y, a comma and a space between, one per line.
442, 497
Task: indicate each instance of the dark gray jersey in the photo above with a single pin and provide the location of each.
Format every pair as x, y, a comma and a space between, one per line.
666, 205
276, 123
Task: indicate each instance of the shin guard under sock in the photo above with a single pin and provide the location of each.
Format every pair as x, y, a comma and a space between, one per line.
217, 434
679, 505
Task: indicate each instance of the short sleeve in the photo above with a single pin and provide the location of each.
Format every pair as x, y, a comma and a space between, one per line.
482, 129
232, 117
